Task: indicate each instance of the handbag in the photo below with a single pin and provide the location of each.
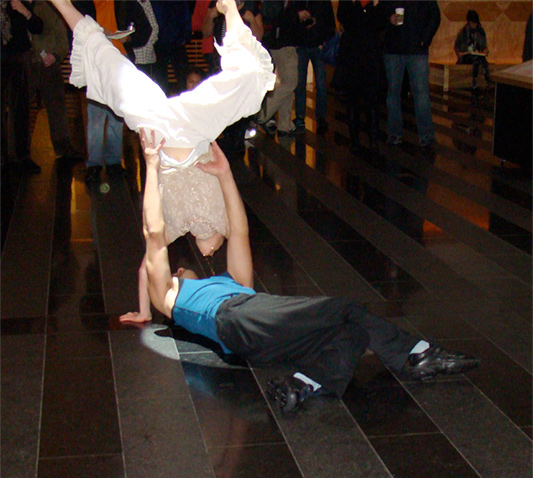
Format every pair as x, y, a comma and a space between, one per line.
330, 49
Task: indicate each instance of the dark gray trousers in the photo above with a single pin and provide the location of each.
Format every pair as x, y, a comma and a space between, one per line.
323, 336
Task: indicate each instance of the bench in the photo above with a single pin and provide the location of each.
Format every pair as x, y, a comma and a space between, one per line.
452, 75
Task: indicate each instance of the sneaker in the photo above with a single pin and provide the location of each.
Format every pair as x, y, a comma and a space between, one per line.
93, 174
289, 392
427, 142
270, 127
434, 360
115, 170
394, 140
299, 126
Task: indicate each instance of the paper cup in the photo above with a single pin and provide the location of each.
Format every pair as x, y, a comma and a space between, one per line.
399, 16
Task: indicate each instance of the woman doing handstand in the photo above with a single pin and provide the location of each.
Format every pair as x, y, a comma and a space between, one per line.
191, 199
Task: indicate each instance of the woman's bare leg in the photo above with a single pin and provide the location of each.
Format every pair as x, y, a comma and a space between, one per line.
231, 12
69, 12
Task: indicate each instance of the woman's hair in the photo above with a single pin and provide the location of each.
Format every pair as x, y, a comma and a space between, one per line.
472, 16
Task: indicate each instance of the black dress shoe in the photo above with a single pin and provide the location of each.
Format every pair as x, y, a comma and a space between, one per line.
288, 392
424, 366
322, 126
115, 170
28, 166
93, 174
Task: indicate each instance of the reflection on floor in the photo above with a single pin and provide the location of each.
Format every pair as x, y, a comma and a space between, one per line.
440, 243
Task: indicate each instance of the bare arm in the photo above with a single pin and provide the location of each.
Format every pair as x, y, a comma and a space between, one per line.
144, 314
162, 289
256, 24
71, 15
208, 25
239, 255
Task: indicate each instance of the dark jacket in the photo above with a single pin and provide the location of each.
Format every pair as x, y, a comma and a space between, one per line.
174, 20
20, 41
360, 62
421, 22
312, 34
126, 12
280, 24
469, 39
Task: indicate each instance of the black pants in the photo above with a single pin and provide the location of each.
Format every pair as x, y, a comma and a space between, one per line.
16, 78
322, 336
476, 61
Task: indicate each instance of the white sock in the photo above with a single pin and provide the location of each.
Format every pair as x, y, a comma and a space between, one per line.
307, 380
420, 347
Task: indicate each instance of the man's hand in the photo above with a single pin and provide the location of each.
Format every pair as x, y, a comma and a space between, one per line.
49, 60
150, 151
219, 166
135, 317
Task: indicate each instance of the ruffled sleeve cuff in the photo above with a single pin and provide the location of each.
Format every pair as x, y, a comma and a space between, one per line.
85, 27
242, 38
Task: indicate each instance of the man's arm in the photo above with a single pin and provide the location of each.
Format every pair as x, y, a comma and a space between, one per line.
161, 285
239, 254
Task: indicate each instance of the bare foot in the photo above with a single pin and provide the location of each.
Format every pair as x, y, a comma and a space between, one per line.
134, 317
222, 5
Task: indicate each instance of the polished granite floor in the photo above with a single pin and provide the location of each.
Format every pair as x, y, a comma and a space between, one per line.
440, 244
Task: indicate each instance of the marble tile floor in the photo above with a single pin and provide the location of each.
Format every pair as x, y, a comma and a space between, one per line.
438, 243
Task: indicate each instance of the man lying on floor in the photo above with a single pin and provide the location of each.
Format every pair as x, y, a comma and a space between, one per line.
322, 336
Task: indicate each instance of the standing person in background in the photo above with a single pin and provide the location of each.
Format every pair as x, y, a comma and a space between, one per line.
215, 26
316, 25
145, 57
471, 48
280, 22
360, 60
175, 31
18, 22
201, 7
407, 41
232, 140
105, 130
50, 48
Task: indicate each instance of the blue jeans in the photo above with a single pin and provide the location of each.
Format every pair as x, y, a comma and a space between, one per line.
319, 69
104, 139
418, 69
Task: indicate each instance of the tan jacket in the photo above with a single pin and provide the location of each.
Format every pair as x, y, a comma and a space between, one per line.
54, 38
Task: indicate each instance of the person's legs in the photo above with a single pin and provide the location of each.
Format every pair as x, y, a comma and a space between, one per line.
96, 116
52, 90
486, 72
394, 68
475, 72
19, 106
112, 154
300, 91
418, 68
161, 68
319, 71
280, 100
71, 15
323, 336
354, 120
180, 65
